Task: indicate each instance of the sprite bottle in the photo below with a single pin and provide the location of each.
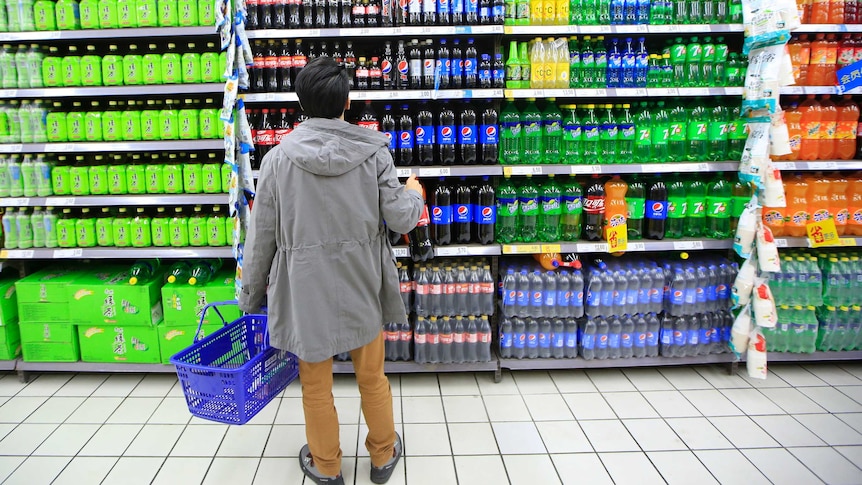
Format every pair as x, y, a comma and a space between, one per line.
552, 128
550, 211
591, 136
572, 135
507, 212
626, 135
532, 143
528, 211
510, 134
570, 225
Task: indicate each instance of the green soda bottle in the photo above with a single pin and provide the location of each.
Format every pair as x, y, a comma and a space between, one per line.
592, 134
112, 67
513, 67
155, 176
643, 135
736, 135
572, 135
49, 219
625, 135
193, 178
172, 69
160, 230
179, 271
191, 65
108, 18
693, 60
550, 211
8, 68
575, 80
573, 209
126, 16
209, 121
147, 13
55, 123
68, 15
168, 13
136, 176
105, 228
720, 63
697, 132
600, 52
91, 68
117, 177
142, 235
528, 210
52, 68
61, 179
707, 62
216, 228
532, 142
150, 127
678, 53
198, 235
173, 173
122, 229
677, 129
97, 174
524, 59
677, 209
144, 270
209, 64
133, 68
718, 132
112, 122
206, 13
93, 123
660, 134
204, 271
552, 132
179, 228
37, 223
188, 13
226, 176
169, 122
718, 198
85, 230
608, 136
43, 13
695, 195
80, 177
131, 122
212, 178
189, 122
152, 65
89, 14
66, 230
71, 65
635, 208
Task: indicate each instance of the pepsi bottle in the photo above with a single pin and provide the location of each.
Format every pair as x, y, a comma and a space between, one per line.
405, 137
471, 12
402, 68
457, 60
488, 137
498, 72
463, 209
484, 212
386, 71
446, 135
425, 135
415, 65
387, 126
441, 214
485, 78
656, 210
470, 63
443, 66
467, 136
428, 65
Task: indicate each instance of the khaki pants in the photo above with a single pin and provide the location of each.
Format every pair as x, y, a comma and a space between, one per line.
321, 418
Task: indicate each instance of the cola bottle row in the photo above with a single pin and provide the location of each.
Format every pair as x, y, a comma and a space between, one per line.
463, 212
452, 340
268, 127
398, 341
449, 287
296, 14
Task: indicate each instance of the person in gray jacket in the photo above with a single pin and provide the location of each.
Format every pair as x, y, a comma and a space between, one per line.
317, 250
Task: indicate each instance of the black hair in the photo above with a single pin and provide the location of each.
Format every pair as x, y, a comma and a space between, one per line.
322, 87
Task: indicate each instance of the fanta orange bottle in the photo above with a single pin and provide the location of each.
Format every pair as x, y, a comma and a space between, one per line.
615, 203
818, 198
848, 119
796, 212
823, 57
838, 202
836, 12
811, 116
819, 12
828, 128
793, 118
800, 56
804, 7
854, 206
773, 218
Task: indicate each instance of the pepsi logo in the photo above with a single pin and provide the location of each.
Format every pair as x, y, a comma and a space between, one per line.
429, 63
386, 66
448, 63
532, 337
603, 338
677, 334
420, 132
491, 131
405, 136
463, 210
388, 136
468, 63
446, 131
486, 212
512, 294
642, 337
656, 206
537, 295
437, 212
466, 131
403, 67
677, 294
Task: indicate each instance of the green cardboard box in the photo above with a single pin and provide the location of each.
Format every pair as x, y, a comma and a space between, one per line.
104, 296
183, 303
47, 332
113, 343
51, 352
8, 302
10, 341
173, 340
43, 296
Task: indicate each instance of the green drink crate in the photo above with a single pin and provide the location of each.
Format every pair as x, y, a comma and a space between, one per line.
10, 341
184, 304
173, 340
8, 302
105, 297
112, 343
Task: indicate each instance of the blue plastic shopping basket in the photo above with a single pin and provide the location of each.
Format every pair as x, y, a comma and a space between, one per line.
230, 375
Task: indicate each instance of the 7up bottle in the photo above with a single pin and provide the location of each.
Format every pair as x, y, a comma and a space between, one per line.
718, 197
695, 195
677, 209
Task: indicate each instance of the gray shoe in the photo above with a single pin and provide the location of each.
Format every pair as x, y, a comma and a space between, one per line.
311, 471
382, 474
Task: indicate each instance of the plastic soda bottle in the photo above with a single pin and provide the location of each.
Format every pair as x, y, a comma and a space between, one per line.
198, 228
552, 132
818, 198
693, 60
112, 67
572, 135
572, 205
718, 200
707, 61
695, 192
179, 271
812, 129
660, 134
142, 235
717, 130
144, 270
528, 211
591, 135
615, 204
678, 56
511, 134
179, 228
574, 63
204, 271
796, 214
105, 228
828, 129
601, 59
532, 142
677, 209
635, 208
625, 135
697, 132
677, 131
550, 211
848, 117
736, 135
588, 63
216, 228
838, 202
643, 135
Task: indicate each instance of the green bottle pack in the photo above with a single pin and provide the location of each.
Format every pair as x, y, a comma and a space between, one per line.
142, 236
61, 179
126, 16
122, 229
91, 68
209, 121
169, 122
209, 65
93, 122
173, 174
216, 236
160, 228
189, 122
117, 178
112, 122
168, 13
131, 122
75, 123
85, 230
212, 178
226, 175
66, 230
105, 228
191, 65
152, 65
71, 65
193, 178
52, 68
229, 224
188, 13
155, 177
55, 124
37, 222
89, 14
133, 67
43, 14
68, 15
79, 175
136, 178
179, 229
198, 235
172, 69
147, 13
108, 18
150, 126
98, 176
50, 221
112, 67
206, 13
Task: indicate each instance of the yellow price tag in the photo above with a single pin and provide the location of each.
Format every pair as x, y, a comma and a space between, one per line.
551, 248
618, 238
507, 171
848, 241
522, 249
822, 233
4, 254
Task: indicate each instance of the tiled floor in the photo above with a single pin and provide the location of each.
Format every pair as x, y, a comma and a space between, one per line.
692, 425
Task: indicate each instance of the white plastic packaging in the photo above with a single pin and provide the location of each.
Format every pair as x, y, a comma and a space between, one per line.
744, 283
755, 360
740, 331
779, 137
773, 187
767, 252
746, 229
765, 314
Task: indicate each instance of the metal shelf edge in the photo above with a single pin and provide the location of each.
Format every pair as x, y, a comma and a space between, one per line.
117, 253
388, 95
802, 242
114, 200
109, 146
580, 363
92, 367
819, 165
376, 31
410, 367
81, 91
107, 33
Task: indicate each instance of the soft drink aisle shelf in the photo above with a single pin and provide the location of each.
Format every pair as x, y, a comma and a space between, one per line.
790, 90
95, 91
454, 171
107, 34
115, 200
413, 94
803, 242
455, 250
614, 169
118, 253
377, 32
113, 146
633, 246
826, 165
817, 28
620, 92
620, 29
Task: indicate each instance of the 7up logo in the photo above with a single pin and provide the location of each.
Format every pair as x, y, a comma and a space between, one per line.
718, 208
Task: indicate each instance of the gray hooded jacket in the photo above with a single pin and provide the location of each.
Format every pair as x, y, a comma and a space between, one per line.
317, 234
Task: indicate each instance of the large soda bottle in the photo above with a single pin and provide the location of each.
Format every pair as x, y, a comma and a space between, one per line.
421, 248
695, 194
445, 135
425, 135
677, 209
387, 126
718, 124
588, 64
693, 59
812, 129
441, 214
550, 211
572, 134
528, 210
625, 135
405, 135
591, 136
467, 136
532, 142
552, 136
484, 215
656, 213
489, 139
707, 61
736, 135
660, 134
462, 211
204, 271
677, 131
828, 128
513, 67
848, 117
643, 134
601, 60
511, 134
609, 133
718, 197
697, 132
678, 53
594, 209
635, 208
572, 208
507, 212
615, 204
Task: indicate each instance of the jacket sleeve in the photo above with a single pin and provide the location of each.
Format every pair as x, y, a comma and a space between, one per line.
260, 245
400, 208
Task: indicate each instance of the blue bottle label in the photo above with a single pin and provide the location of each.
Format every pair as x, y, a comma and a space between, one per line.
532, 340
391, 135
593, 298
588, 341
626, 340
523, 298
693, 337
558, 340
470, 64
463, 213
607, 298
425, 135
550, 299
577, 300
443, 6
571, 340
498, 73
471, 6
506, 340
536, 299
679, 337
485, 75
544, 340
445, 135
639, 339
705, 336
722, 291
484, 214
643, 296
563, 298
602, 340
405, 139
488, 135
441, 214
467, 135
712, 293
520, 340
509, 297
666, 337
715, 335
652, 339
690, 296
656, 209
614, 340
457, 66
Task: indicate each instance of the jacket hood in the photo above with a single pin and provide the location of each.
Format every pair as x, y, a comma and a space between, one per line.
331, 147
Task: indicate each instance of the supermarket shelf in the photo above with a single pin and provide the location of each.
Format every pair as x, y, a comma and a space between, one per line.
814, 357
23, 366
455, 171
619, 169
376, 31
93, 91
580, 363
115, 200
820, 165
802, 242
620, 92
412, 367
817, 28
6, 365
107, 34
619, 29
816, 90
426, 94
113, 146
118, 253
454, 250
633, 246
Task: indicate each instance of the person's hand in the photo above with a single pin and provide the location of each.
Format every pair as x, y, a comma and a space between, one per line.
413, 184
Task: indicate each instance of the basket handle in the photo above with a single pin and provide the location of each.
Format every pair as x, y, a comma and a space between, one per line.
214, 306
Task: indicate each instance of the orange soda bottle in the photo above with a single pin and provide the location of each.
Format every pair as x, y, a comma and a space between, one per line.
615, 204
773, 218
818, 198
848, 119
811, 116
793, 118
854, 206
796, 212
836, 12
804, 7
819, 12
800, 55
549, 261
828, 128
838, 202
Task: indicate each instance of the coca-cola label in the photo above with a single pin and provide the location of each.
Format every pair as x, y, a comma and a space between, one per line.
424, 219
436, 289
419, 338
467, 135
449, 288
266, 137
406, 287
369, 125
594, 205
441, 215
462, 288
358, 10
422, 289
285, 62
484, 214
463, 213
270, 62
446, 135
405, 139
258, 62
300, 61
280, 134
488, 135
406, 336
458, 338
472, 338
485, 337
424, 135
375, 72
361, 72
372, 10
446, 338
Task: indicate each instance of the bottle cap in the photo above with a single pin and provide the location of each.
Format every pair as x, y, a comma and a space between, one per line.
133, 280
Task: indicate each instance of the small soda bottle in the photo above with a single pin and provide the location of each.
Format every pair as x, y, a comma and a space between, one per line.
677, 209
550, 211
695, 192
507, 212
528, 211
572, 206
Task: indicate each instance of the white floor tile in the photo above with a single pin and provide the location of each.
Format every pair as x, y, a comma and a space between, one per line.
95, 410
852, 453
832, 400
290, 411
719, 378
671, 404
743, 432
787, 431
200, 441
154, 385
685, 378
589, 405
535, 382
853, 419
681, 467
244, 441
419, 385
581, 468
481, 470
780, 466
530, 469
731, 466
834, 375
430, 470
155, 440
363, 473
38, 469
699, 433
111, 440
10, 385
711, 403
25, 438
776, 381
67, 440
455, 384
564, 437
118, 385
135, 410
648, 380
55, 410
571, 381
134, 470
506, 408
6, 428
17, 409
426, 440
853, 392
792, 401
182, 470
464, 409
796, 375
610, 380
654, 435
45, 385
232, 471
830, 429
609, 436
8, 464
278, 470
95, 468
829, 465
285, 441
472, 439
82, 385
548, 407
488, 387
172, 410
518, 438
630, 405
751, 401
423, 409
630, 468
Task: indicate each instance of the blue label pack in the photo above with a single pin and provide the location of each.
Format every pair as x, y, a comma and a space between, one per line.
488, 135
484, 214
463, 213
446, 135
656, 209
441, 214
425, 135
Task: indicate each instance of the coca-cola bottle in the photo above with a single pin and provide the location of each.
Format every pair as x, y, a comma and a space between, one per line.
294, 14
375, 75
300, 118
406, 137
258, 82
362, 75
299, 60
279, 14
324, 49
312, 51
594, 209
266, 133
252, 19
254, 156
358, 13
270, 67
368, 118
308, 13
386, 74
421, 248
372, 13
332, 15
402, 68
265, 12
283, 126
350, 64
336, 54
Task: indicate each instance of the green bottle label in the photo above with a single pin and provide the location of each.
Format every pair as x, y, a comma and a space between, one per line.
85, 233
68, 15
635, 208
56, 126
136, 179
627, 132
152, 67
89, 12
150, 125
168, 13
189, 124
52, 68
209, 67
677, 207
131, 125
737, 130
98, 176
117, 179
71, 71
147, 13
126, 16
122, 233
206, 13
193, 178
721, 52
61, 180
105, 231
697, 131
660, 135
155, 179
112, 70
91, 71
677, 132
160, 229
173, 179
169, 123
643, 135
717, 130
179, 227
142, 236
677, 53
133, 70
694, 53
66, 233
93, 126
108, 14
80, 181
708, 52
191, 64
226, 174
198, 231
695, 208
171, 69
216, 231
208, 124
111, 121
212, 178
738, 206
718, 207
188, 13
43, 13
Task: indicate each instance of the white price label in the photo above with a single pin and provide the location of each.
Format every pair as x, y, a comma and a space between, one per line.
68, 253
12, 148
62, 147
16, 202
453, 251
20, 254
786, 165
364, 31
586, 169
636, 246
59, 201
655, 167
314, 33
695, 91
830, 165
401, 252
641, 92
424, 94
665, 92
658, 29
458, 94
526, 170
591, 93
701, 167
687, 245
8, 93
591, 29
567, 93
359, 95
592, 247
792, 90
435, 172
403, 172
697, 28
641, 28
781, 243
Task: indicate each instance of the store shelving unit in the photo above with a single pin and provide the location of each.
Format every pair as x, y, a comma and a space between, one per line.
118, 253
91, 91
802, 242
143, 32
115, 200
113, 146
819, 165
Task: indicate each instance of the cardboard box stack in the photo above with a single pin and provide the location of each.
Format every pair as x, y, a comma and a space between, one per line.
47, 334
10, 333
